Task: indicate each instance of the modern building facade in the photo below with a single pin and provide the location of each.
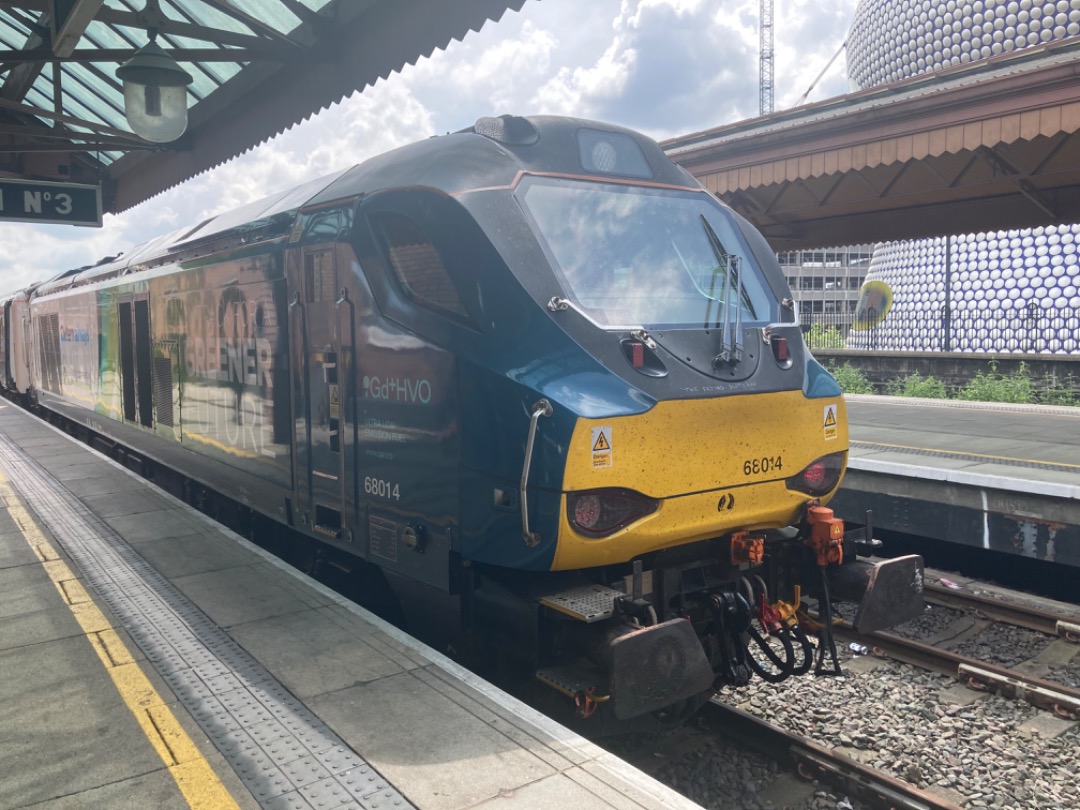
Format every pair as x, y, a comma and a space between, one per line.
1004, 291
826, 282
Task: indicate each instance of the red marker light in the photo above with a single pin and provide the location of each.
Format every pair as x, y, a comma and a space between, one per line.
637, 355
780, 349
814, 475
820, 476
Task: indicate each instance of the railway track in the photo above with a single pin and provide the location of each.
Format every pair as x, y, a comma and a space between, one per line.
811, 761
1000, 610
1062, 700
866, 763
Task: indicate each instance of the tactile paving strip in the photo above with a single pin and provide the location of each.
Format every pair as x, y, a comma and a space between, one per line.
281, 751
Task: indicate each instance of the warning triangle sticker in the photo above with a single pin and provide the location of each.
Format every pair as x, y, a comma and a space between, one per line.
830, 417
601, 443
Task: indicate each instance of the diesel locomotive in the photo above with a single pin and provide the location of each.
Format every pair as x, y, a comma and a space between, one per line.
531, 368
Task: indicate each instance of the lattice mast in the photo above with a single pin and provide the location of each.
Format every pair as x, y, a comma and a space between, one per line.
765, 59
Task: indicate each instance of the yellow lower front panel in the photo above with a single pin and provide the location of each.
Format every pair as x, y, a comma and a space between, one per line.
716, 466
688, 519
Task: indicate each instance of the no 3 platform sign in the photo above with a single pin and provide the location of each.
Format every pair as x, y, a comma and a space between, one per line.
63, 203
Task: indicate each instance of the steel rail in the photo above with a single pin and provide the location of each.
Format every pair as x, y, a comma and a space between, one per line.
1058, 698
999, 610
814, 761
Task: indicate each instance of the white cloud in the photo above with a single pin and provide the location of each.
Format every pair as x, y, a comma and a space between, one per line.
677, 66
572, 91
805, 45
36, 253
671, 66
490, 77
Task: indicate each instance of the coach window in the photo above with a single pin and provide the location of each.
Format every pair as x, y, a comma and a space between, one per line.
417, 265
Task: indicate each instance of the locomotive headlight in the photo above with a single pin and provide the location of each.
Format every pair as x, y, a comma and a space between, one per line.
600, 512
820, 477
603, 156
611, 153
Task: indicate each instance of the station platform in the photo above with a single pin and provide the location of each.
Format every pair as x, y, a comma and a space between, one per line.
151, 658
996, 476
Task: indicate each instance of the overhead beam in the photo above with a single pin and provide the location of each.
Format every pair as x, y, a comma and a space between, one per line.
131, 19
91, 145
253, 23
998, 161
67, 32
93, 126
41, 132
41, 54
21, 78
1002, 211
304, 13
369, 40
66, 35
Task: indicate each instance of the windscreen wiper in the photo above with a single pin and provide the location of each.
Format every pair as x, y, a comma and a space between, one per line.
730, 354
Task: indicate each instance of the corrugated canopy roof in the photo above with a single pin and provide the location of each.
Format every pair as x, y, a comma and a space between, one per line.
258, 67
992, 144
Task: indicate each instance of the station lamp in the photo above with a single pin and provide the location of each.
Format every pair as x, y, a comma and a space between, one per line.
155, 93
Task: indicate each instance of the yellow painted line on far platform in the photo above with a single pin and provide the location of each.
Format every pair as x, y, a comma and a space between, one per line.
194, 776
968, 454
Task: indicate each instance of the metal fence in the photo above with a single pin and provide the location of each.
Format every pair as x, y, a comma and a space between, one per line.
1030, 330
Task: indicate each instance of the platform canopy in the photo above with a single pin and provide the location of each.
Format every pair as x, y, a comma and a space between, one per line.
258, 67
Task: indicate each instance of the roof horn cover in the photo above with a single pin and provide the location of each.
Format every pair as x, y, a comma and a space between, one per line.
512, 130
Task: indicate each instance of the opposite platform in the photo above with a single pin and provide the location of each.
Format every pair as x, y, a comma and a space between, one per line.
195, 670
992, 475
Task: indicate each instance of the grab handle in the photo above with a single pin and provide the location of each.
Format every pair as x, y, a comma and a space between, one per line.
541, 408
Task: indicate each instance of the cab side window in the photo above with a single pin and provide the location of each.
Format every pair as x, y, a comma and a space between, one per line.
327, 226
417, 265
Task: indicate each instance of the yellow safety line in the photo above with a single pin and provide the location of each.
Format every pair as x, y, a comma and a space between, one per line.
1039, 462
193, 774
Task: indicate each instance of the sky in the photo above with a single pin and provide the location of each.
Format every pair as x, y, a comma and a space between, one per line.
662, 67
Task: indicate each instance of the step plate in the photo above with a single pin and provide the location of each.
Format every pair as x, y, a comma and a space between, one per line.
591, 603
568, 680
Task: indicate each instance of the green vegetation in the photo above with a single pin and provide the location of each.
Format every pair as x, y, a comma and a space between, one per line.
1060, 392
997, 387
821, 338
987, 386
916, 385
851, 380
